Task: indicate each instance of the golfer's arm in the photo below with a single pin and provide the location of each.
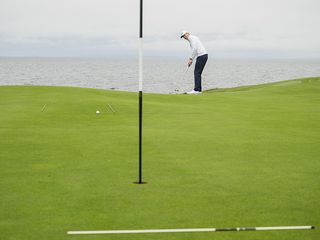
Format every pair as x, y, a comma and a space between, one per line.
194, 50
194, 53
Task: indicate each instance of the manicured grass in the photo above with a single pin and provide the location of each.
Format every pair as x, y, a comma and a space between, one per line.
228, 158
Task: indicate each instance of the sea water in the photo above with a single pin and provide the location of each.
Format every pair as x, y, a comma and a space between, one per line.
160, 76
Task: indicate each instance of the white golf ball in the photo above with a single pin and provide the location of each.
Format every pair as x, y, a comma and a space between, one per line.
97, 112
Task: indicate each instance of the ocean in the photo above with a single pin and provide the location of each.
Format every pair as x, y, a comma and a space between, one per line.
160, 76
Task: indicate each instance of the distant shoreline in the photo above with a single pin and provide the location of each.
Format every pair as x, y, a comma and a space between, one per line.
231, 89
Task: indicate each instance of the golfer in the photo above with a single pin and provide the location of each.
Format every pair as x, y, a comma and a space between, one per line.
201, 55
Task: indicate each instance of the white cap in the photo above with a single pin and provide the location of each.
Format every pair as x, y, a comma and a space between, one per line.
183, 33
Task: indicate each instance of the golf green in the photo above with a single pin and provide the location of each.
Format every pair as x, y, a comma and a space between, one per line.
243, 157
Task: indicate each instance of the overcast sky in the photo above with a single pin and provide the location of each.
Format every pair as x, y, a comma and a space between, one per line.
109, 28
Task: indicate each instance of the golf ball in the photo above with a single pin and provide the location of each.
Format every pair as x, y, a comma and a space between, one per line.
97, 112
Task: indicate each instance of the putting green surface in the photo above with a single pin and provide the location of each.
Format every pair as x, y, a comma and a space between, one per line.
241, 157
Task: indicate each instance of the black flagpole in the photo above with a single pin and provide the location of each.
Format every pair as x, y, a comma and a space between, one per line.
140, 91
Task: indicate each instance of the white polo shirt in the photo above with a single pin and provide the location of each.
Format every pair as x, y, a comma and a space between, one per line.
196, 46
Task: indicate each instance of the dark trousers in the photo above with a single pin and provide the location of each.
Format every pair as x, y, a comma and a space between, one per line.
200, 63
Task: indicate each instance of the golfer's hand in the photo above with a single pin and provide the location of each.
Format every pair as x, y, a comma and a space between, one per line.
189, 62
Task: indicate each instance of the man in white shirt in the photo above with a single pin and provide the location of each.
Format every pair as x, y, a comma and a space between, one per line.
200, 54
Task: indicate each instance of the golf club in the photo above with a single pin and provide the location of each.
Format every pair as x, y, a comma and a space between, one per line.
176, 90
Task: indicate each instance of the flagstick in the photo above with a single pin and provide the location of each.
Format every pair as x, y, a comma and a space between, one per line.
191, 230
140, 90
